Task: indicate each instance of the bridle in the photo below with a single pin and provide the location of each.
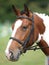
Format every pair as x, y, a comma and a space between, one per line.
31, 31
28, 38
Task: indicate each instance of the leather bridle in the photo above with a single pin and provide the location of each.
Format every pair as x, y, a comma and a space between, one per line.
31, 31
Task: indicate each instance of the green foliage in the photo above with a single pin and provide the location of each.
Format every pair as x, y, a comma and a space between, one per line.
6, 12
6, 8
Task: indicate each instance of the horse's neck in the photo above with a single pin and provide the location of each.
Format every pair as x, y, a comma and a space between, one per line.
45, 35
46, 23
44, 47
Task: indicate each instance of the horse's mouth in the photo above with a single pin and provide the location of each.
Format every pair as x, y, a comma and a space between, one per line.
14, 59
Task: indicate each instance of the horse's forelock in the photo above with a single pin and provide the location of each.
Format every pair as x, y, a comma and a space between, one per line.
23, 12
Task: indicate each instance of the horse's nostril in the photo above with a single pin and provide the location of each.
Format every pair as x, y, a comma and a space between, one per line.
11, 52
11, 55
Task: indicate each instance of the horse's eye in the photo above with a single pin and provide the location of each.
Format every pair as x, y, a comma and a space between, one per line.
24, 28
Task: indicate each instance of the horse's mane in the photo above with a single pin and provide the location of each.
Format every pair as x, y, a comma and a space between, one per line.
43, 16
46, 23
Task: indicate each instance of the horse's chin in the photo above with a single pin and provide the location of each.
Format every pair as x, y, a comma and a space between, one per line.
14, 60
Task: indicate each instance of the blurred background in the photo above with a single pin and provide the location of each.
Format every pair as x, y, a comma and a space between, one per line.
7, 17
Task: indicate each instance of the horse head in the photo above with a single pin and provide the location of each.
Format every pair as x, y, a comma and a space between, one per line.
25, 33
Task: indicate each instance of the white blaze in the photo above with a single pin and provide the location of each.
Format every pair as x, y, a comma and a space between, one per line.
18, 23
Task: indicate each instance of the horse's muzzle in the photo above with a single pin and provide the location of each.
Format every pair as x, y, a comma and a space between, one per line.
13, 55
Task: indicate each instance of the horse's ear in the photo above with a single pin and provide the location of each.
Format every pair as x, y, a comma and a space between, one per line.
26, 9
17, 11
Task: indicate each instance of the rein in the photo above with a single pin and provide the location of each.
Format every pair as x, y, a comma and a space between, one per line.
36, 47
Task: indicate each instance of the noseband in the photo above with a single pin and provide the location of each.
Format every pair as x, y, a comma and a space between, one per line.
28, 38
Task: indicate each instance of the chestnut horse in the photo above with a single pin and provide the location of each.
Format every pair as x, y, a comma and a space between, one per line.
29, 28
